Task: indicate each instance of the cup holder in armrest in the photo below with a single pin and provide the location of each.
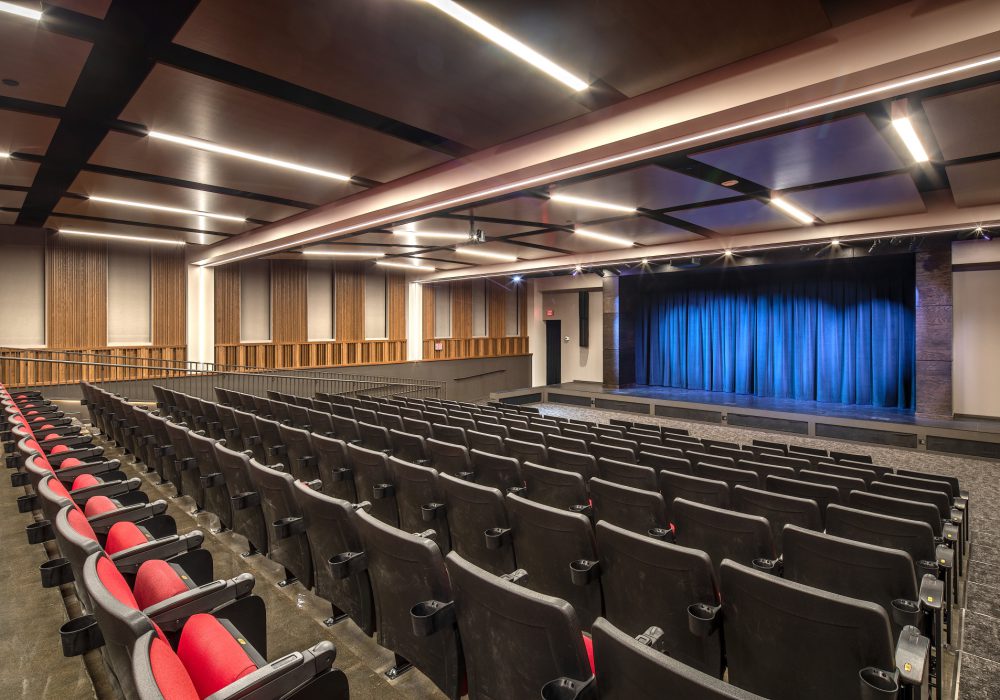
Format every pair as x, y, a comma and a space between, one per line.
582, 509
340, 474
431, 616
55, 572
348, 564
703, 619
430, 512
584, 571
209, 481
380, 491
80, 635
19, 478
569, 689
247, 499
906, 612
288, 527
27, 503
877, 684
497, 537
661, 533
40, 531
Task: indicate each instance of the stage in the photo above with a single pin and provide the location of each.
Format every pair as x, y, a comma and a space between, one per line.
879, 426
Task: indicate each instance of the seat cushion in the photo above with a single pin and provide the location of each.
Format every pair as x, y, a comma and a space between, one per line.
83, 481
59, 449
156, 581
211, 655
78, 521
122, 536
70, 462
98, 505
171, 677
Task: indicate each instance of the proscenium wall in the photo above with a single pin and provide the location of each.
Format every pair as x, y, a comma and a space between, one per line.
561, 294
976, 324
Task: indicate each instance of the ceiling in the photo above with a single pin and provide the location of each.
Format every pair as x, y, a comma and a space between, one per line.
380, 90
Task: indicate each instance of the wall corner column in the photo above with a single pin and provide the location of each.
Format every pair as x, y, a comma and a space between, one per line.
200, 314
415, 322
934, 328
619, 338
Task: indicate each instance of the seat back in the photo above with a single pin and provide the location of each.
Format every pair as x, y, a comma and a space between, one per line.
637, 510
692, 488
730, 475
320, 422
288, 543
938, 498
418, 496
484, 426
250, 435
854, 569
630, 670
371, 475
515, 640
583, 463
956, 489
247, 517
652, 583
722, 534
914, 537
546, 542
270, 438
602, 450
186, 464
211, 479
448, 458
345, 428
823, 494
778, 509
795, 463
843, 484
527, 451
408, 446
299, 457
471, 510
827, 638
898, 508
495, 470
374, 437
659, 460
569, 444
389, 418
554, 487
484, 442
866, 475
333, 466
405, 570
627, 474
764, 470
449, 433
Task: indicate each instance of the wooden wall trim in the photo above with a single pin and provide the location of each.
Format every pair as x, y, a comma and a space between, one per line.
76, 293
349, 282
396, 305
169, 291
461, 308
496, 309
289, 313
227, 304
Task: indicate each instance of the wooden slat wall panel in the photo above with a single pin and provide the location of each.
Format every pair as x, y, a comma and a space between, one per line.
461, 309
114, 364
396, 305
76, 293
333, 353
227, 304
496, 310
349, 282
462, 344
289, 315
169, 287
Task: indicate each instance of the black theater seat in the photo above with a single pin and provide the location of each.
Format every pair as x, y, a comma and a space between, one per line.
247, 515
371, 478
555, 487
471, 510
627, 474
724, 534
634, 509
420, 501
779, 510
288, 543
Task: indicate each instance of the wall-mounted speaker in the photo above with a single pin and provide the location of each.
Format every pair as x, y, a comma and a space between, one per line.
584, 319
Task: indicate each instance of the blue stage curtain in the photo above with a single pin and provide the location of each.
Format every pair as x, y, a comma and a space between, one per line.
839, 332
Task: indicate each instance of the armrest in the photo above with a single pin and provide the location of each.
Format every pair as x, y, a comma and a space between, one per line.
129, 560
913, 656
137, 513
945, 557
570, 689
307, 461
90, 468
282, 676
81, 454
931, 595
951, 532
341, 474
244, 500
111, 489
172, 613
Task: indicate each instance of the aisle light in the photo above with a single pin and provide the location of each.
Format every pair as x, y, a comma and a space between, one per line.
161, 207
584, 202
506, 41
212, 147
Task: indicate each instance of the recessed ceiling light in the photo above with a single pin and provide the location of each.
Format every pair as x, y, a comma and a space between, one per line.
211, 147
10, 82
644, 261
342, 254
728, 253
515, 279
160, 207
730, 183
405, 266
617, 240
20, 10
432, 234
4, 154
584, 202
792, 210
835, 242
130, 239
464, 250
506, 41
904, 127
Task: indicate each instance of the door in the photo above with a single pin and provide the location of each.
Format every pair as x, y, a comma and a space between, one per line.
553, 352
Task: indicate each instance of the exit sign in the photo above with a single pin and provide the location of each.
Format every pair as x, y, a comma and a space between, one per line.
549, 312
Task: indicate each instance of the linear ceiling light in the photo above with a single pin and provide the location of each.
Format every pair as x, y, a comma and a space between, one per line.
904, 127
465, 250
4, 154
432, 234
506, 41
792, 210
130, 239
405, 266
584, 202
160, 207
343, 254
211, 147
617, 240
20, 10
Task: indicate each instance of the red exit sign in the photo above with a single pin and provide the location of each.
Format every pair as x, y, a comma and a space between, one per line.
549, 312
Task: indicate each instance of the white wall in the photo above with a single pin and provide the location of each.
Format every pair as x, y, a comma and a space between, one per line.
130, 295
22, 270
561, 295
975, 370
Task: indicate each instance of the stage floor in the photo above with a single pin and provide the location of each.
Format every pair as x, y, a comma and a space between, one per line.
811, 408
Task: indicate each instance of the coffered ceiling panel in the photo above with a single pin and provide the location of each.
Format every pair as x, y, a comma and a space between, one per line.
25, 133
893, 195
645, 231
747, 216
648, 187
45, 64
973, 184
56, 222
967, 122
836, 149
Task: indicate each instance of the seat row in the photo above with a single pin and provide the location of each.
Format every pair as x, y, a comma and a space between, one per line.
165, 628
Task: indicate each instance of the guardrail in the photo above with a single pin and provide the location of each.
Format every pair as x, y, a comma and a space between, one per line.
200, 379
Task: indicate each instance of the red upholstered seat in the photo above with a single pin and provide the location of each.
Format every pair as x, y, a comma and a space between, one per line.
70, 462
59, 449
171, 677
122, 536
588, 643
156, 581
115, 583
85, 480
50, 436
98, 505
212, 657
78, 521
